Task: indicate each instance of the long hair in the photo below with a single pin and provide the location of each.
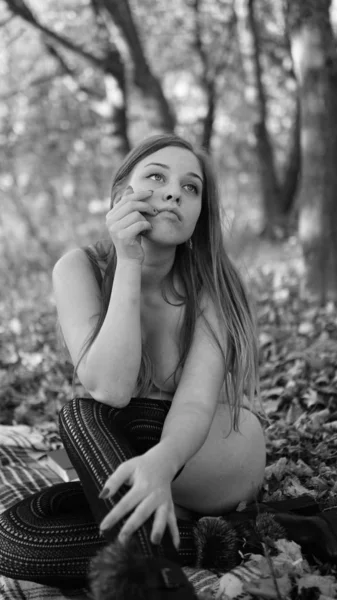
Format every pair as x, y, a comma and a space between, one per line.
203, 266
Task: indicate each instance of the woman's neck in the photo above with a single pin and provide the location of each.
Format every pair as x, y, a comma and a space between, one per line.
156, 266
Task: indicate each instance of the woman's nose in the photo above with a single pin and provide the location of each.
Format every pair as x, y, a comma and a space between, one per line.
172, 193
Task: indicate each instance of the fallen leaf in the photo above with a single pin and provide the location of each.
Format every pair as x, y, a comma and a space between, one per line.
277, 469
265, 588
306, 328
318, 418
325, 583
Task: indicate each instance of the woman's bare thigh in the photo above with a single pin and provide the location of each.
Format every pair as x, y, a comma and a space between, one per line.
228, 468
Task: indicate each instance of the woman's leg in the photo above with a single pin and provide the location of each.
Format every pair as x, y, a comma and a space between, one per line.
52, 536
49, 537
98, 438
227, 469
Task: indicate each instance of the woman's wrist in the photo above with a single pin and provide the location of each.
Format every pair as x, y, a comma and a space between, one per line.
127, 279
129, 263
168, 458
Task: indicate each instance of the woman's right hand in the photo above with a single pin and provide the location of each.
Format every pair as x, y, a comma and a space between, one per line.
126, 223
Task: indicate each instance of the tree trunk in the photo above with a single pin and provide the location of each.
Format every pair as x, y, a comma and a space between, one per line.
315, 65
255, 95
207, 78
208, 123
120, 110
162, 116
292, 168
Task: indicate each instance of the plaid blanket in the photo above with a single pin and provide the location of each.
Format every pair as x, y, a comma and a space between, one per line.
21, 474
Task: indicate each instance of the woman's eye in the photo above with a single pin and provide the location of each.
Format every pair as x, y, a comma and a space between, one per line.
156, 177
192, 188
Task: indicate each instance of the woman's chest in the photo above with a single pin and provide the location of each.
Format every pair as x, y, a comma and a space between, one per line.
161, 325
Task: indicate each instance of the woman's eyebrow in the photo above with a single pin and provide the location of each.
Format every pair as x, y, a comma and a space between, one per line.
167, 167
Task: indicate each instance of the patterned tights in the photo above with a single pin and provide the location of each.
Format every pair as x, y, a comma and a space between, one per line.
51, 536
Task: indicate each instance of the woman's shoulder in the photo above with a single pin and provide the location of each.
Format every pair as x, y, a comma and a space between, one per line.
209, 312
86, 259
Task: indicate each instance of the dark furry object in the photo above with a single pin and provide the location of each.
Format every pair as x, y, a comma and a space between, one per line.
120, 572
221, 543
267, 528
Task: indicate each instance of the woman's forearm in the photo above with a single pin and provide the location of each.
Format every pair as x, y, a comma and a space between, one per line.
113, 360
184, 432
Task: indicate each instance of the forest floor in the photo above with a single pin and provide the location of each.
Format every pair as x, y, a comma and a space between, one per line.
298, 369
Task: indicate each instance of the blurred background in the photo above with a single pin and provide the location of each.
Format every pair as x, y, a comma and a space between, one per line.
82, 81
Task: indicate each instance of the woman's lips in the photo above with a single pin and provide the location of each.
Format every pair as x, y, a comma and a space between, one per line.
169, 213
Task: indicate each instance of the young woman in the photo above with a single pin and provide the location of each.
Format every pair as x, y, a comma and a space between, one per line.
158, 325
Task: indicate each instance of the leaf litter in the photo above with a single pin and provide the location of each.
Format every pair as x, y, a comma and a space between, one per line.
298, 371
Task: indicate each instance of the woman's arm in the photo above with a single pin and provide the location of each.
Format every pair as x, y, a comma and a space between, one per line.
185, 430
115, 355
190, 417
110, 368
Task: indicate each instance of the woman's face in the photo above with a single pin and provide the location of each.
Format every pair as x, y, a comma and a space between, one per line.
175, 177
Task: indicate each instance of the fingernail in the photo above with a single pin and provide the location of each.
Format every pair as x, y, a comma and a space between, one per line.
104, 493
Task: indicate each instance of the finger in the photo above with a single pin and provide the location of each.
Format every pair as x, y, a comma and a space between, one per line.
173, 527
122, 508
159, 524
125, 222
114, 482
140, 196
136, 229
139, 516
132, 206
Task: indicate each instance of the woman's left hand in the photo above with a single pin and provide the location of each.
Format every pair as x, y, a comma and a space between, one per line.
149, 479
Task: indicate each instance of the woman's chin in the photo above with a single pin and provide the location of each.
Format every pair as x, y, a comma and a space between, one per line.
160, 239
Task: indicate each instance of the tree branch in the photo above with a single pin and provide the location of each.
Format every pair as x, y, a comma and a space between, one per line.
67, 70
20, 9
5, 22
257, 61
35, 82
212, 68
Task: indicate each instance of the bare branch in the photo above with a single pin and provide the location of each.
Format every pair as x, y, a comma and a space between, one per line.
23, 89
65, 69
6, 21
212, 67
257, 60
20, 9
